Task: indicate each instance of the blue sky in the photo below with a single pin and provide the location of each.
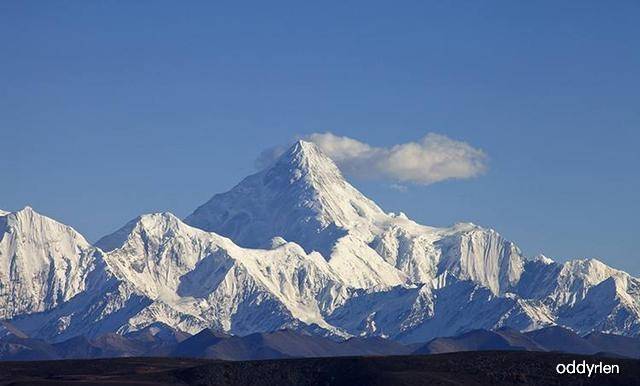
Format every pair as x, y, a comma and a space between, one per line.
109, 109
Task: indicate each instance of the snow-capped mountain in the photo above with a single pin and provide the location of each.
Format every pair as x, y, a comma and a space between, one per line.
224, 286
304, 198
43, 263
296, 246
158, 269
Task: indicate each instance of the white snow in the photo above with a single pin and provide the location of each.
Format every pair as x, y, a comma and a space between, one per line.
295, 246
42, 263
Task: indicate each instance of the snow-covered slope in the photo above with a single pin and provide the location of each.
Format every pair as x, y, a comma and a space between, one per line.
421, 313
465, 250
586, 295
228, 287
42, 262
296, 246
304, 198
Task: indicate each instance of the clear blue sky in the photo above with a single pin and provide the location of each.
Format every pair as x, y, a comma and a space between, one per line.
112, 109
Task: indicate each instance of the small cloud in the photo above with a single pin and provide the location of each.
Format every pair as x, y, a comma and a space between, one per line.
432, 159
399, 187
268, 156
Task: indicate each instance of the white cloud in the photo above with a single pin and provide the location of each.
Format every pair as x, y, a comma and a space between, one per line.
268, 156
432, 159
399, 187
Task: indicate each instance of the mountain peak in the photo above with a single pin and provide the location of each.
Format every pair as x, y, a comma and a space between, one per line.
43, 262
166, 219
303, 198
543, 259
304, 146
152, 223
26, 211
27, 220
306, 157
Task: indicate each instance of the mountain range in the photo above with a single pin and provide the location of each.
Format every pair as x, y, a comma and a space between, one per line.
296, 247
162, 341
